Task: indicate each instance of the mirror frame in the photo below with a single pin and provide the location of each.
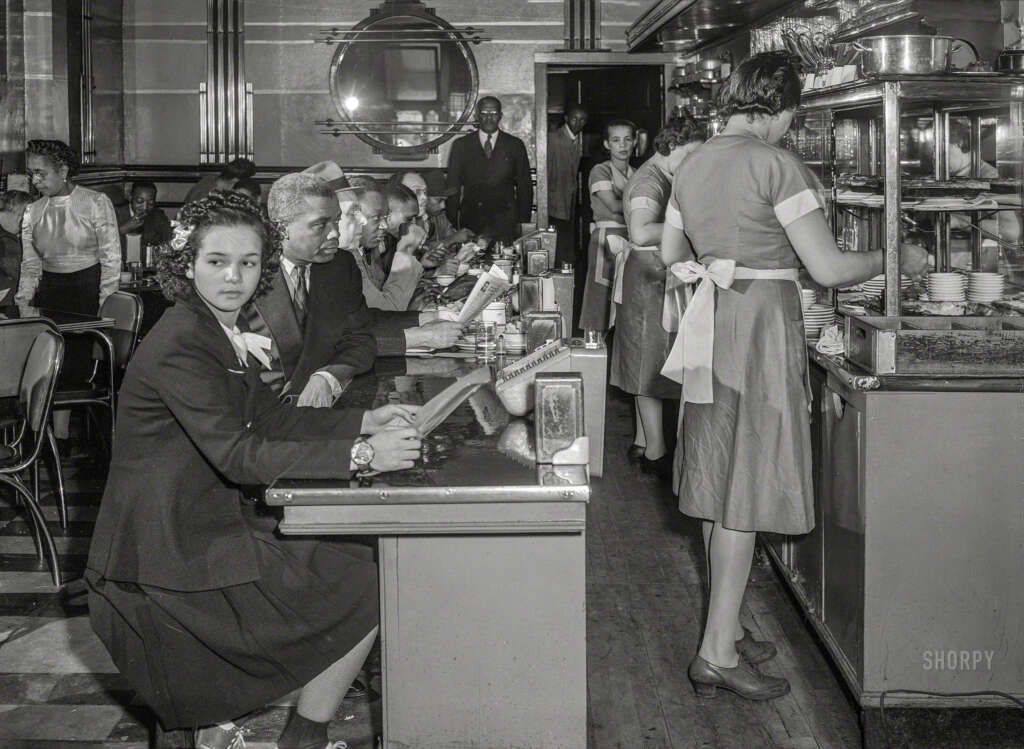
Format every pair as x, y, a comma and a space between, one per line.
413, 10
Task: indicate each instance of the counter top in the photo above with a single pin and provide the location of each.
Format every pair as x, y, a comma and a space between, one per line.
857, 378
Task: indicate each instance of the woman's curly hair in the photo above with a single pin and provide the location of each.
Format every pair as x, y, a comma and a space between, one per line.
764, 84
57, 151
219, 208
678, 131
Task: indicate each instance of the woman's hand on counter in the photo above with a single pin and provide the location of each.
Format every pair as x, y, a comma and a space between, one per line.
395, 449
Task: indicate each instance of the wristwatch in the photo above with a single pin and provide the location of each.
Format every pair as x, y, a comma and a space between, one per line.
362, 454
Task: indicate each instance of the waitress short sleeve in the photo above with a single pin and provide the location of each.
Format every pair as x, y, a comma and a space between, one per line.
601, 178
673, 213
793, 191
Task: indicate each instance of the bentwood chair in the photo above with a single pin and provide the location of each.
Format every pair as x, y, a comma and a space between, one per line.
35, 402
126, 311
16, 338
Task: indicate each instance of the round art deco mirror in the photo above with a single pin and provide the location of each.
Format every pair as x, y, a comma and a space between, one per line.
403, 80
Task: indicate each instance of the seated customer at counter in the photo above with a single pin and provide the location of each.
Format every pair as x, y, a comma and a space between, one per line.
386, 286
206, 612
394, 331
313, 315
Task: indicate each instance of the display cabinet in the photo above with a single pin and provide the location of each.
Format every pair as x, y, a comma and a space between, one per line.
935, 160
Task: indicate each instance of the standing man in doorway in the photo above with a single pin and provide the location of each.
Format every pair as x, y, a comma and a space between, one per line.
565, 147
489, 175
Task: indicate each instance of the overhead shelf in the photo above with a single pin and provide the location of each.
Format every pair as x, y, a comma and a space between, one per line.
689, 25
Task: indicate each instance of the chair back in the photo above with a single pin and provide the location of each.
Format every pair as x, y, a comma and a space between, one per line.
38, 383
16, 338
126, 311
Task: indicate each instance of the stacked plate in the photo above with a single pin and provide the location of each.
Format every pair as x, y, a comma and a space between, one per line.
946, 287
876, 285
985, 287
808, 297
816, 317
467, 343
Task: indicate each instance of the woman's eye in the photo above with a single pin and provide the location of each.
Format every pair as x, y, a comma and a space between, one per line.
250, 263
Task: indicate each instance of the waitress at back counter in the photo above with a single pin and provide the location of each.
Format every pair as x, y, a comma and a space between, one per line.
71, 257
753, 215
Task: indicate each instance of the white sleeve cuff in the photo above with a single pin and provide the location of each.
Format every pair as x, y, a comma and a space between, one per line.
600, 185
797, 206
336, 388
646, 204
673, 217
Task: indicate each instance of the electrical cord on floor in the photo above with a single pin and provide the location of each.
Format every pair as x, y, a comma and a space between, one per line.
985, 693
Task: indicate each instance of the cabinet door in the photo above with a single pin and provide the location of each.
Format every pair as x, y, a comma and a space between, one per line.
843, 527
806, 552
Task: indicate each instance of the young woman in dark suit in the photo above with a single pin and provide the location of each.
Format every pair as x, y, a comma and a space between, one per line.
204, 610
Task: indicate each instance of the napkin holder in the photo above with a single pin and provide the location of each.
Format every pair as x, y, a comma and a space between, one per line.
562, 447
540, 328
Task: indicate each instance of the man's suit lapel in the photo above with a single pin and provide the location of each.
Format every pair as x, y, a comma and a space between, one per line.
275, 307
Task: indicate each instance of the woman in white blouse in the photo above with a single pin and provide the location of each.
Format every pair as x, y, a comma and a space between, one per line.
71, 256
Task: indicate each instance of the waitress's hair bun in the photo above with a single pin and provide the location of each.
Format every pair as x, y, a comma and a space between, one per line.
764, 84
678, 131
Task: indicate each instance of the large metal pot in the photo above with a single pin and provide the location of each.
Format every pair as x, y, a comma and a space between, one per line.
1011, 61
908, 54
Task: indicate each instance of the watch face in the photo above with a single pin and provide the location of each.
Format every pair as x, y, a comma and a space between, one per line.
362, 454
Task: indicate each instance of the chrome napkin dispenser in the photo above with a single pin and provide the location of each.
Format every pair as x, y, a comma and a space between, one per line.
537, 250
563, 452
540, 328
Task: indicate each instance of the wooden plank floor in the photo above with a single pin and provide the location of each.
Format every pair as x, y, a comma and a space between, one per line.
645, 609
645, 600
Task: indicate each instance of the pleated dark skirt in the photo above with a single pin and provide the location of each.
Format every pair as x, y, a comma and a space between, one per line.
205, 657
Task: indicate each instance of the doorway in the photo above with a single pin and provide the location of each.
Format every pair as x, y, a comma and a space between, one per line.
612, 87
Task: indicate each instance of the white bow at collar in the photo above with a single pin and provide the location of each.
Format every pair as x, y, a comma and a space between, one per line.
250, 343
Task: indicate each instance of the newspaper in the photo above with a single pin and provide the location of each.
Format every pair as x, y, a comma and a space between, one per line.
489, 286
438, 408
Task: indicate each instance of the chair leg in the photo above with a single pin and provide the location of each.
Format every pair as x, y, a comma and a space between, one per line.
36, 514
58, 473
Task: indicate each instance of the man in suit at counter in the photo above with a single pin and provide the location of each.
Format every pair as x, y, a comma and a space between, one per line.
489, 173
360, 224
314, 313
565, 147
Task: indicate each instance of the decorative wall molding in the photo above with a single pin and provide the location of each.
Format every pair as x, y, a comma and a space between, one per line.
225, 98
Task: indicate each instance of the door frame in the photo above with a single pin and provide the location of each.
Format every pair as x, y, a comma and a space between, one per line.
541, 62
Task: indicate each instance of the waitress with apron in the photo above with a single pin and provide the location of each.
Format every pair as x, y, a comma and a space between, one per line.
752, 214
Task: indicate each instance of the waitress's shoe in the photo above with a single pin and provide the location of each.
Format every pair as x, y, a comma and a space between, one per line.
742, 679
660, 467
755, 651
634, 454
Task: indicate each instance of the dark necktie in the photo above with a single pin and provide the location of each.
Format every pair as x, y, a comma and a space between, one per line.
299, 293
488, 148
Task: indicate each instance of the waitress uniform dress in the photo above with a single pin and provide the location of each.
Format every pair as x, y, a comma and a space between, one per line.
597, 292
641, 342
744, 459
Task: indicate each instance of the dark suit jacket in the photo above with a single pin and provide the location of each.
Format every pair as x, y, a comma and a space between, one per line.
563, 166
198, 427
494, 194
338, 335
156, 229
389, 330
